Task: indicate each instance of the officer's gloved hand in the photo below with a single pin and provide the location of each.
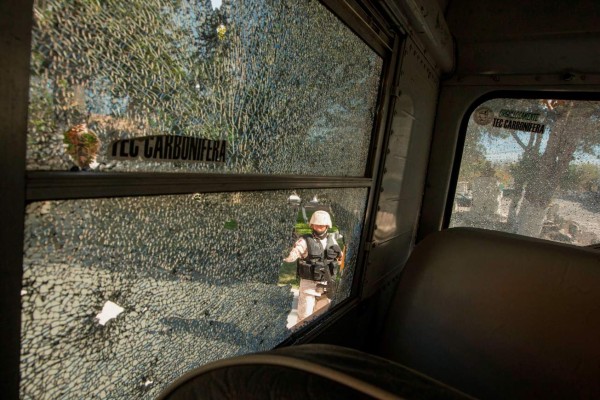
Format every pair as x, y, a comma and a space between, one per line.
334, 252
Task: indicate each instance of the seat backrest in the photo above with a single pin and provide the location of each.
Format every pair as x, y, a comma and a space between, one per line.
311, 371
499, 315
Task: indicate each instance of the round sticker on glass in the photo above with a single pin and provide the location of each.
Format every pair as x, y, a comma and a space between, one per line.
483, 115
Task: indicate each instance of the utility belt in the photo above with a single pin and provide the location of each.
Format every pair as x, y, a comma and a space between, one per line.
317, 270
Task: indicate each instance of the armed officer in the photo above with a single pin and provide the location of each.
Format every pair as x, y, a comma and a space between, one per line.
317, 256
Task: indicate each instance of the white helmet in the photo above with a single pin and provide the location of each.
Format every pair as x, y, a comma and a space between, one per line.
320, 218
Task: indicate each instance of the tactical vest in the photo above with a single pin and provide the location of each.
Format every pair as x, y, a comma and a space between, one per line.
320, 264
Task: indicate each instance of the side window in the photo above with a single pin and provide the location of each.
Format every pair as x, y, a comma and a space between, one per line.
168, 148
532, 167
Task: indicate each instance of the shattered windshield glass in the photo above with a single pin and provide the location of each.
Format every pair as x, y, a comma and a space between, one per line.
532, 167
199, 86
121, 296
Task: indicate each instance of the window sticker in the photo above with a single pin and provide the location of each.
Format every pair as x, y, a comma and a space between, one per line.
509, 119
169, 148
483, 115
82, 145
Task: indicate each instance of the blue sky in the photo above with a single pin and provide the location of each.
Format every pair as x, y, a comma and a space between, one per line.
505, 150
216, 3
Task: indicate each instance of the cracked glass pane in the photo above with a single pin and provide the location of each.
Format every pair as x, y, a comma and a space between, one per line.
532, 167
271, 87
123, 295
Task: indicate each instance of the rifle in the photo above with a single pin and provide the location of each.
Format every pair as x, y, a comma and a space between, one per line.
331, 282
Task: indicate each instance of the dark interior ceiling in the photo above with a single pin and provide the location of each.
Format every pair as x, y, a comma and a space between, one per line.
523, 37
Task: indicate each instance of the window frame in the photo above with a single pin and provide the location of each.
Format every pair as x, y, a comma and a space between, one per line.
20, 187
464, 122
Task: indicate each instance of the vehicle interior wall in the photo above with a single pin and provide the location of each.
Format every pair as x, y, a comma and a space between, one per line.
506, 46
14, 28
415, 95
399, 202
